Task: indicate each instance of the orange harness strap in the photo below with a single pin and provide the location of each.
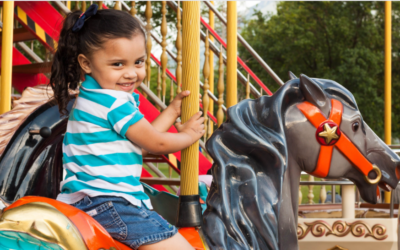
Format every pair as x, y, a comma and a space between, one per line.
343, 144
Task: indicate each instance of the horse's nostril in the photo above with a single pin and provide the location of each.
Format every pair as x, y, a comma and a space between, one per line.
372, 175
398, 170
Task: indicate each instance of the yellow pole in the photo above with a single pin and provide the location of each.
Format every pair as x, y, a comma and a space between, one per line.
149, 14
189, 199
6, 56
211, 77
190, 81
388, 79
231, 65
69, 5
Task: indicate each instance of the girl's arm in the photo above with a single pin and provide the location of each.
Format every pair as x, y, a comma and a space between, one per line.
151, 140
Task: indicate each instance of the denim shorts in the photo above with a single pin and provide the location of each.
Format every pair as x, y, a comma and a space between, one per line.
134, 226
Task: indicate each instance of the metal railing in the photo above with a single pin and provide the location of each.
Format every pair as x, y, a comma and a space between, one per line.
247, 46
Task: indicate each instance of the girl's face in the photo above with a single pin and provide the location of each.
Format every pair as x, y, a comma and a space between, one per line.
118, 65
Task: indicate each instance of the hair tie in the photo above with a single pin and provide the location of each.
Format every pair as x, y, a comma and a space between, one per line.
91, 11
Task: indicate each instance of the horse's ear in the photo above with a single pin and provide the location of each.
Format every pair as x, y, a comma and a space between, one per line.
292, 76
314, 94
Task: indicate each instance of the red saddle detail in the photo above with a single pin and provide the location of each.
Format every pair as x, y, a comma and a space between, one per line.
93, 234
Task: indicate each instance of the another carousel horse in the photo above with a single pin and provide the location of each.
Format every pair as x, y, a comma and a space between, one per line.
310, 125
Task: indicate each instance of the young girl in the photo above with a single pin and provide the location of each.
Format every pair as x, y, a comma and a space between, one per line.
106, 133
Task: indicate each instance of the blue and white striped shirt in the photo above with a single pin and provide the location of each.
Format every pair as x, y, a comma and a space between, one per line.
97, 156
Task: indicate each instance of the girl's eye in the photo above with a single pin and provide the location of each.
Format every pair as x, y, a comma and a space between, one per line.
139, 62
117, 64
355, 126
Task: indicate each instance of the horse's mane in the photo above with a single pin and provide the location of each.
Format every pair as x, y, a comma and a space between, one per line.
250, 159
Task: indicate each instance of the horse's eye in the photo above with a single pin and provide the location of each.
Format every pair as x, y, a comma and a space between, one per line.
356, 125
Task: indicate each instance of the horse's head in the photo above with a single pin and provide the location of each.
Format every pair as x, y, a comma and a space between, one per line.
311, 125
328, 124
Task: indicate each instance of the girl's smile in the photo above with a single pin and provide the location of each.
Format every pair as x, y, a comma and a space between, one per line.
127, 87
118, 64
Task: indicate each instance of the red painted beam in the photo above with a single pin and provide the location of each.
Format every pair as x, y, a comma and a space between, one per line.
21, 34
240, 61
21, 81
45, 15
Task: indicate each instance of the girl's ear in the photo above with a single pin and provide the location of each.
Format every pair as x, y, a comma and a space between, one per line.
84, 63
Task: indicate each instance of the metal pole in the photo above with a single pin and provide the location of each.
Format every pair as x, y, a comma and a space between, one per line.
211, 76
62, 7
247, 46
391, 205
215, 49
30, 52
189, 210
231, 65
388, 79
6, 56
348, 198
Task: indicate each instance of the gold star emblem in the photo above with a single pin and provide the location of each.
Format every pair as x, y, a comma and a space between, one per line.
329, 133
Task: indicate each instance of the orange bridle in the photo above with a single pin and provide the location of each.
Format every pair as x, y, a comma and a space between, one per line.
328, 134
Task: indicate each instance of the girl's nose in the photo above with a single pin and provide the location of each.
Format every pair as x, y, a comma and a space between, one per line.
130, 75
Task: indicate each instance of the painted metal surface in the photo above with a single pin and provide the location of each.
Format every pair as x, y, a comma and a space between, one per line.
249, 48
44, 222
22, 241
388, 79
6, 58
259, 154
30, 164
35, 28
19, 80
331, 138
192, 235
350, 234
231, 52
190, 104
92, 233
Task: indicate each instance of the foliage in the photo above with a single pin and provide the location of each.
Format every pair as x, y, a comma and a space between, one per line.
342, 41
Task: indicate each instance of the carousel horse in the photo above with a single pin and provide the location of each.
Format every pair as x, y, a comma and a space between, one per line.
311, 125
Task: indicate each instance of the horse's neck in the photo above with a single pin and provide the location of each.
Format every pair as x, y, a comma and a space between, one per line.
289, 207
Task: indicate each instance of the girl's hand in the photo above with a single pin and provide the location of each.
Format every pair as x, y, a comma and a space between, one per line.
176, 104
194, 127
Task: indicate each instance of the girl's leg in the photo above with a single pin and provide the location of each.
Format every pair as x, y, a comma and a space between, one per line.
176, 242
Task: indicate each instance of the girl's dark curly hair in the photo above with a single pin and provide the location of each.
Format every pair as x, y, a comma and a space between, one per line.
104, 25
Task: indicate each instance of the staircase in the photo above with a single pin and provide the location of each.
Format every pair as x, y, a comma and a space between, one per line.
42, 21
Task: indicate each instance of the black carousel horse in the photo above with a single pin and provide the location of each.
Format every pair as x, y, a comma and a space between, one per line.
260, 151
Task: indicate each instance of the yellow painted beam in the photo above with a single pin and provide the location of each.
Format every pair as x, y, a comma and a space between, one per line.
388, 79
211, 80
190, 81
231, 65
6, 56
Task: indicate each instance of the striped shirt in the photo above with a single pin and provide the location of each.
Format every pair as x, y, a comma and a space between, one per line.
97, 156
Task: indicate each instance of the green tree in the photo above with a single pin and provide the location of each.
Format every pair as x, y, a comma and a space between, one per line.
342, 41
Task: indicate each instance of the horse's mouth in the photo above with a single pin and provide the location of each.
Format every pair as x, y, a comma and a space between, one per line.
385, 186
